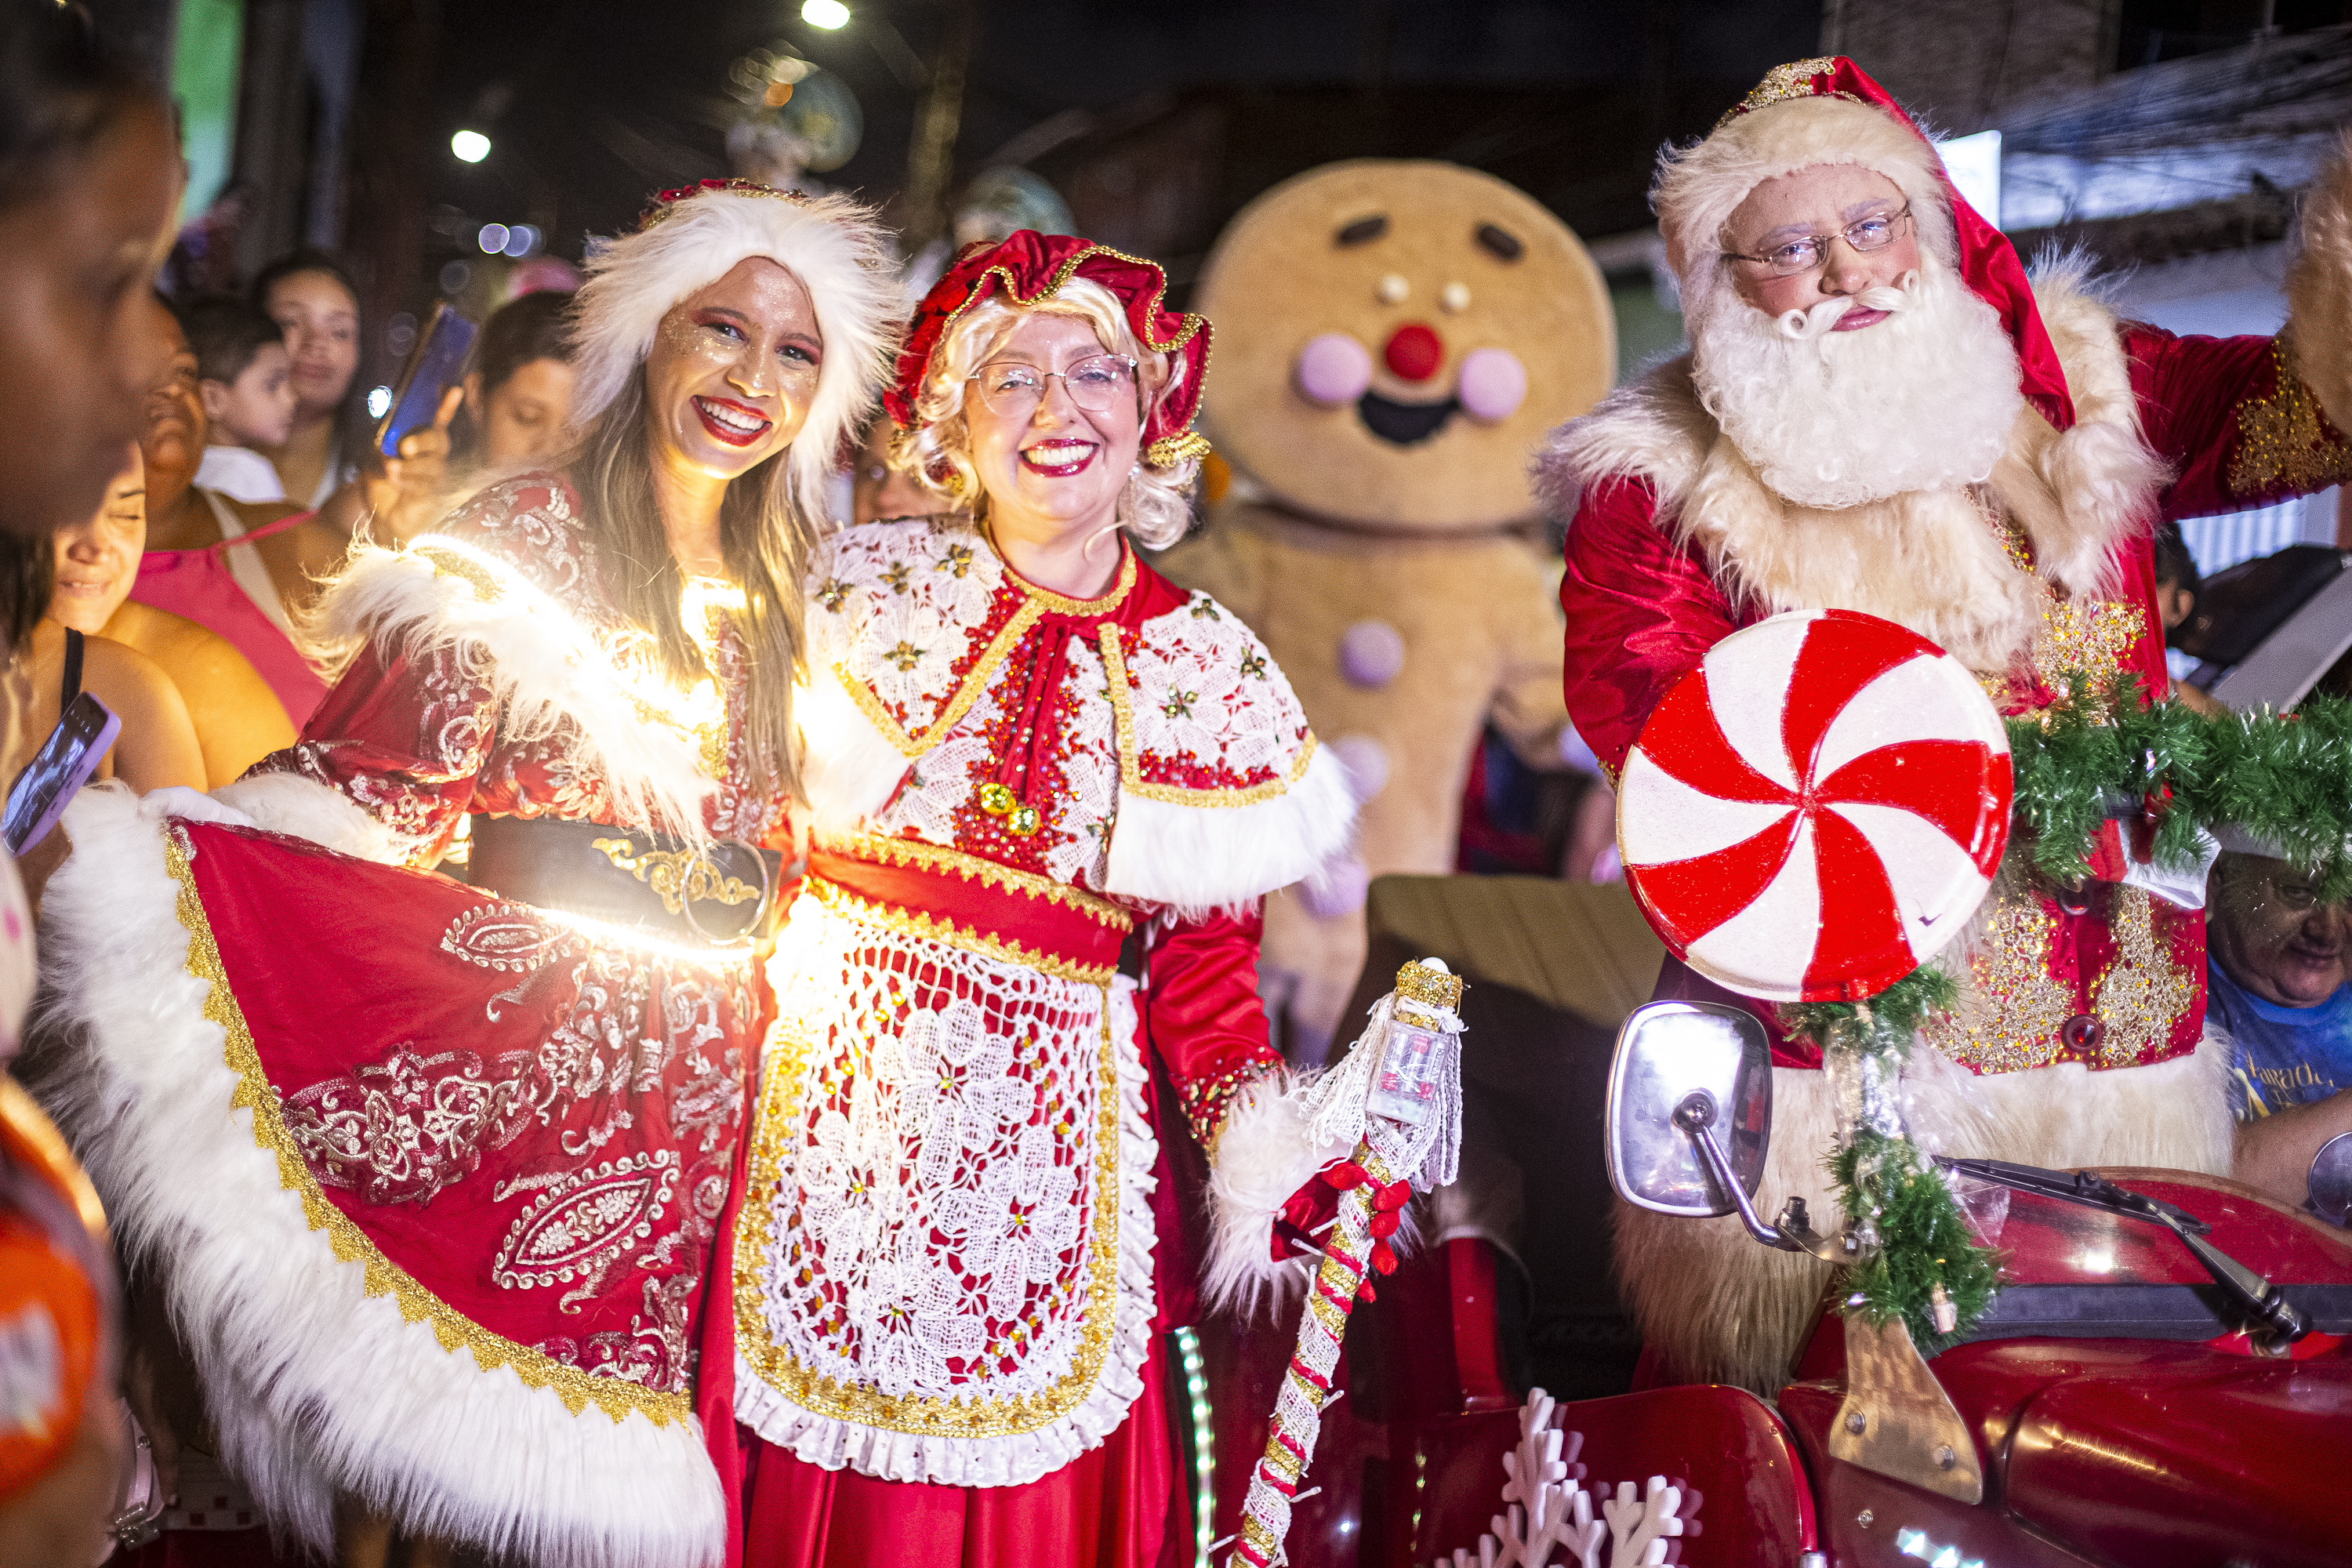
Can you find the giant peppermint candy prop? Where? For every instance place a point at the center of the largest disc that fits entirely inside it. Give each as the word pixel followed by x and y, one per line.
pixel 1817 809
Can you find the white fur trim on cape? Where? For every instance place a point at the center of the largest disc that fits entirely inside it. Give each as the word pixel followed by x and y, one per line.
pixel 545 669
pixel 2319 289
pixel 1017 1458
pixel 1926 560
pixel 831 244
pixel 305 808
pixel 1263 1154
pixel 1197 858
pixel 850 769
pixel 1722 1309
pixel 316 1387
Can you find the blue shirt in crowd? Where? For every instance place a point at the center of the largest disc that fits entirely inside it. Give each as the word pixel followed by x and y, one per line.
pixel 2282 1056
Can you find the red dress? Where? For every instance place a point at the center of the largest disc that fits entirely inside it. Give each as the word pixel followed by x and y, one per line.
pixel 953 1259
pixel 432 1175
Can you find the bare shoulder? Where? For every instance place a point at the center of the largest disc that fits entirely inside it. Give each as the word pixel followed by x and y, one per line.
pixel 192 655
pixel 125 679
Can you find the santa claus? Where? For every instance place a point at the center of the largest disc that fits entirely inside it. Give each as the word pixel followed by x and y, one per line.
pixel 1882 411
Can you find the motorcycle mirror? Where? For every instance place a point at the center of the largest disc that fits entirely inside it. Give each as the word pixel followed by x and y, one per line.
pixel 2331 1179
pixel 1712 1064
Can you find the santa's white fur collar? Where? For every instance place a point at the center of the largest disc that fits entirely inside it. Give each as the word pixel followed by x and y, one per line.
pixel 1931 561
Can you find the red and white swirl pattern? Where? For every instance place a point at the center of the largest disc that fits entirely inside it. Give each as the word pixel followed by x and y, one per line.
pixel 1817 809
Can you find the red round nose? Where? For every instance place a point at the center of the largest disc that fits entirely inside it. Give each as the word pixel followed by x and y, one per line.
pixel 1415 352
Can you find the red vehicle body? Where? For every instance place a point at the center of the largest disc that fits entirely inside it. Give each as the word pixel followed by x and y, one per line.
pixel 2119 1418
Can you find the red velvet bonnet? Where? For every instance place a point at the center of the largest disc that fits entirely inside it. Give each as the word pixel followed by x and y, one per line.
pixel 1030 266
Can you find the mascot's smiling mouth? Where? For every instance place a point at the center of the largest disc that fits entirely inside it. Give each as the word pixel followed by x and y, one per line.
pixel 1403 424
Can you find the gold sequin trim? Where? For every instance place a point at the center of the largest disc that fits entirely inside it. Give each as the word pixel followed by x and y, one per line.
pixel 972 1415
pixel 933 928
pixel 2143 991
pixel 1130 770
pixel 2281 443
pixel 2012 1020
pixel 1062 604
pixel 930 857
pixel 1782 83
pixel 447 562
pixel 254 1093
pixel 2092 636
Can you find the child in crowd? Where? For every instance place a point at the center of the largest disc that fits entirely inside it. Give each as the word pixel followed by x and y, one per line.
pixel 246 382
pixel 2177 586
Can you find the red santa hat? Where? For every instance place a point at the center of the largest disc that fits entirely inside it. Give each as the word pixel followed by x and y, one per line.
pixel 1827 110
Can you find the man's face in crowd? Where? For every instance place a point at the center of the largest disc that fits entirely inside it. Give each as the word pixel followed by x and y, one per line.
pixel 1826 199
pixel 2274 936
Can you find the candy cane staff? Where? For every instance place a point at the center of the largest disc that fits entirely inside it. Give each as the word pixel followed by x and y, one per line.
pixel 429 1173
pixel 1400 1093
pixel 1883 412
pixel 1048 791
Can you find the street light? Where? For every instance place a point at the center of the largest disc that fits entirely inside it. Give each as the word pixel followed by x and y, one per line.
pixel 825 14
pixel 472 146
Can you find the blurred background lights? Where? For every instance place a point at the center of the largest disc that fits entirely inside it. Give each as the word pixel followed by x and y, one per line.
pixel 493 238
pixel 828 14
pixel 522 240
pixel 472 146
pixel 378 400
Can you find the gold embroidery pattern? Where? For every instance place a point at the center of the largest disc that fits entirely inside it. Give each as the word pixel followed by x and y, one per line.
pixel 2143 991
pixel 2094 636
pixel 2011 1021
pixel 1782 83
pixel 681 877
pixel 963 1418
pixel 914 923
pixel 2281 443
pixel 975 681
pixel 577 1389
pixel 929 857
pixel 1130 771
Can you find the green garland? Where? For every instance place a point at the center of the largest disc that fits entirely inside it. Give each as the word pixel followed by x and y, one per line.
pixel 2283 778
pixel 2286 778
pixel 1913 1237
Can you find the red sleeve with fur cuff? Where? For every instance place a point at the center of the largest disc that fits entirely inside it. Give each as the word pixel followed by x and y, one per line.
pixel 1640 615
pixel 2234 418
pixel 1202 1016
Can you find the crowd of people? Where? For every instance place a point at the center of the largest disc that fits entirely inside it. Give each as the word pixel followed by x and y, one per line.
pixel 599 1013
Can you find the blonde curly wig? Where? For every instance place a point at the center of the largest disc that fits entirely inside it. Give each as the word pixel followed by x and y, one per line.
pixel 1155 506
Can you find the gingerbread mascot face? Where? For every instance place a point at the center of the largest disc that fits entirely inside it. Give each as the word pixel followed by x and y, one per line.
pixel 1393 338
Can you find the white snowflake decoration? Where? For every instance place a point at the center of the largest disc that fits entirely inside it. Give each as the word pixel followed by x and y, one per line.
pixel 1546 1506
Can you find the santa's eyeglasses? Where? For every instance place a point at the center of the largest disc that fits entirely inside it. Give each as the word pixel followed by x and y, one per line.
pixel 1873 233
pixel 1012 390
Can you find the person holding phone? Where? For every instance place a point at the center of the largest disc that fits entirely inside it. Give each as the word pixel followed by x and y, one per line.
pixel 444 1164
pixel 89 184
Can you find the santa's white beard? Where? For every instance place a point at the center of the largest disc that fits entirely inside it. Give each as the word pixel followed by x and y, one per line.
pixel 1923 400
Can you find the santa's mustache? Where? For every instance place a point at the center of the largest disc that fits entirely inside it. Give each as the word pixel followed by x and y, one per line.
pixel 1806 326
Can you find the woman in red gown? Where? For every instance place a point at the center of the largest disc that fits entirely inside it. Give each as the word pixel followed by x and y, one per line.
pixel 1048 789
pixel 429 1173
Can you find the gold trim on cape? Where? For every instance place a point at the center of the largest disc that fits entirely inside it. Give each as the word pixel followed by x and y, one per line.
pixel 1131 771
pixel 923 855
pixel 254 1093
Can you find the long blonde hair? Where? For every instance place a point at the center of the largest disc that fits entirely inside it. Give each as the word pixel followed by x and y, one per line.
pixel 1155 506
